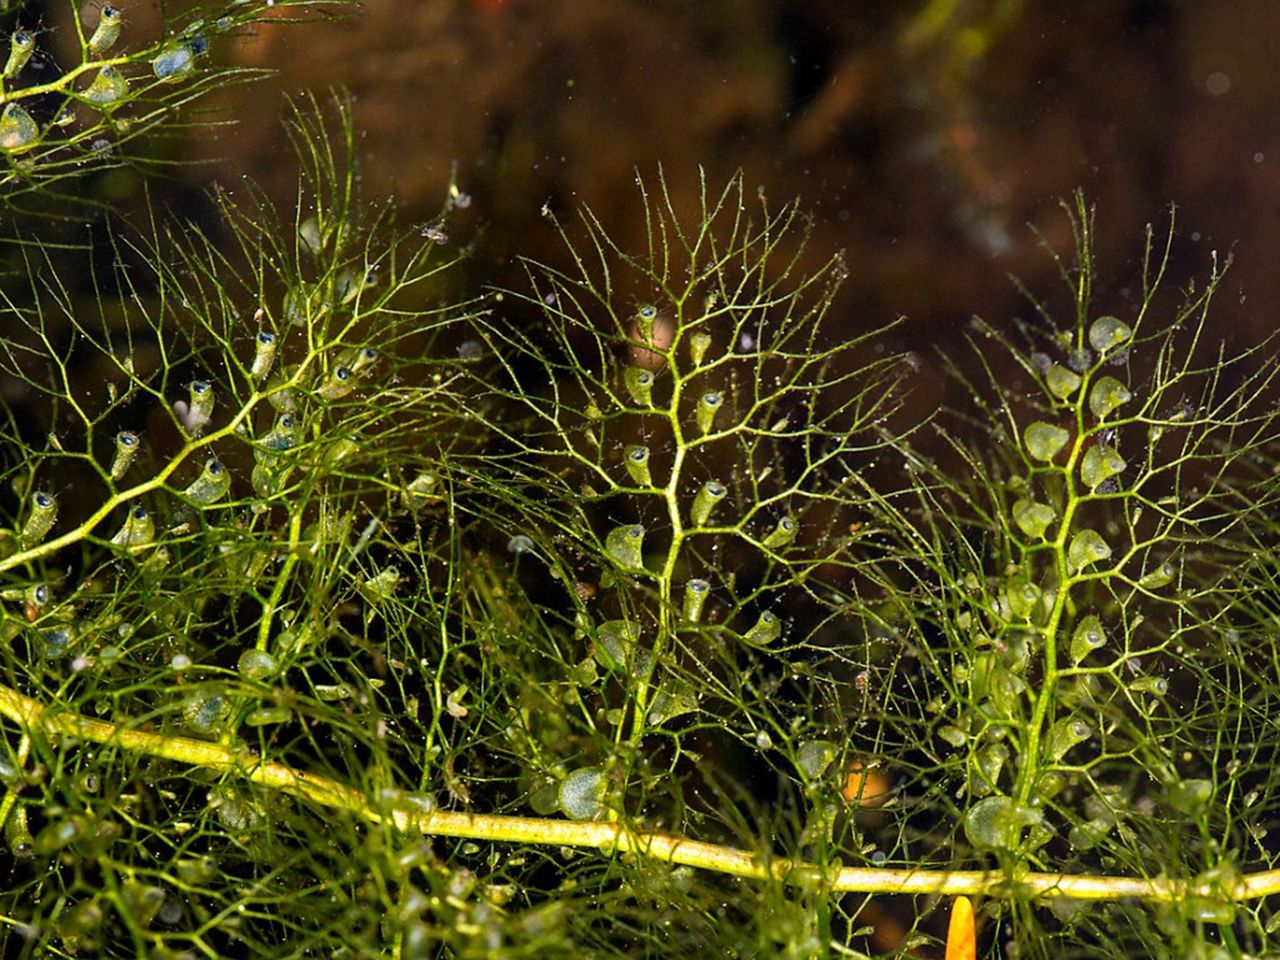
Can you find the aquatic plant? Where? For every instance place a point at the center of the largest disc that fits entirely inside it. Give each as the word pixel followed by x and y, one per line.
pixel 623 613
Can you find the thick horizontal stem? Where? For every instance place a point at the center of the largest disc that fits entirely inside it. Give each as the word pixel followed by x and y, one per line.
pixel 35 717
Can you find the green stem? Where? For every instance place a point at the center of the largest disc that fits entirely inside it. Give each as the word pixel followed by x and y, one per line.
pixel 610 837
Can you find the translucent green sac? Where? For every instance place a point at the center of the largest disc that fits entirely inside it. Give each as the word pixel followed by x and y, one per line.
pixel 360 359
pixel 17 129
pixel 696 592
pixel 1061 381
pixel 615 644
pixel 200 410
pixel 636 458
pixel 143 901
pixel 1022 596
pixel 264 355
pixel 1065 734
pixel 257 664
pixel 338 384
pixel 991 760
pixel 1099 464
pixel 783 532
pixel 699 343
pixel 21 46
pixel 1033 518
pixel 281 437
pixel 645 318
pixel 44 511
pixel 624 545
pixel 705 500
pixel 205 711
pixel 422 491
pixel 383 585
pixel 1107 333
pixel 764 631
pixel 996 823
pixel 582 793
pixel 212 484
pixel 1044 441
pixel 1158 686
pixel 1087 548
pixel 17 833
pixel 107 32
pixel 108 87
pixel 639 384
pixel 708 404
pixel 174 63
pixel 127 444
pixel 1107 395
pixel 139 529
pixel 1087 637
pixel 814 757
pixel 1161 576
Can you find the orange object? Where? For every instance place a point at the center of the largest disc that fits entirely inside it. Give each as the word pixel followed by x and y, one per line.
pixel 867 787
pixel 962 938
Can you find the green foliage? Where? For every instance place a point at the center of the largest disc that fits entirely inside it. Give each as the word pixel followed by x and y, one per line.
pixel 122 88
pixel 627 613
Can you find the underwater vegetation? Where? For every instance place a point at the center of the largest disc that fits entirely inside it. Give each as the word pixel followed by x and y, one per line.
pixel 621 612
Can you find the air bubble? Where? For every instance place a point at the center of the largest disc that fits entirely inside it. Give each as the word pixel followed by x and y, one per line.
pixel 705 500
pixel 1044 441
pixel 582 793
pixel 624 544
pixel 637 461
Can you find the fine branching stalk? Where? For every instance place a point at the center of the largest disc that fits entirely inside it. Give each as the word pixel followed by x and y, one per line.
pixel 628 612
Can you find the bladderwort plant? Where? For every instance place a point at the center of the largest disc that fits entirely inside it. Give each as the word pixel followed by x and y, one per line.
pixel 623 613
pixel 60 121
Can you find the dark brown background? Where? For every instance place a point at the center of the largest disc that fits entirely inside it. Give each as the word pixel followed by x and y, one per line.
pixel 924 136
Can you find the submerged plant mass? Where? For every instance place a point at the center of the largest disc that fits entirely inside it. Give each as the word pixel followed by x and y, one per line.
pixel 629 612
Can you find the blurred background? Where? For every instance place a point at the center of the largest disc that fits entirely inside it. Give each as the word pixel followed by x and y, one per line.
pixel 924 136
